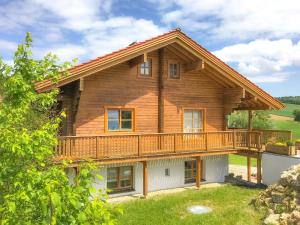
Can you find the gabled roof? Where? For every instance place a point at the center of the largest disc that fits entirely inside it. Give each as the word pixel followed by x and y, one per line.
pixel 174 36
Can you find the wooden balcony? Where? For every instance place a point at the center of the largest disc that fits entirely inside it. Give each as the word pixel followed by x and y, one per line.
pixel 137 146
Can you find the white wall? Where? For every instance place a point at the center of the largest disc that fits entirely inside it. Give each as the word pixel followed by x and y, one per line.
pixel 273 165
pixel 215 169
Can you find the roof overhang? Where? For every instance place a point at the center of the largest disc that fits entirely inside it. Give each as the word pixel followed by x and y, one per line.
pixel 175 36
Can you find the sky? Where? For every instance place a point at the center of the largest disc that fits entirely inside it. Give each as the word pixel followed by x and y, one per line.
pixel 259 38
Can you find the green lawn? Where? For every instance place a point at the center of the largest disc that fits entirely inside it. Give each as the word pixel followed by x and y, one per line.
pixel 287 111
pixel 230 206
pixel 240 160
pixel 294 126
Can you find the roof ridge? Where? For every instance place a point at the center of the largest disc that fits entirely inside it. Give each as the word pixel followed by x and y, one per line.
pixel 125 48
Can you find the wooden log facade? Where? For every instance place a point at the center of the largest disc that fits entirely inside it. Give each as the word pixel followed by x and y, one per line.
pixel 157 86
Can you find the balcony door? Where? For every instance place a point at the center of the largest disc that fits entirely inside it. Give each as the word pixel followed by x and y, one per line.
pixel 193 121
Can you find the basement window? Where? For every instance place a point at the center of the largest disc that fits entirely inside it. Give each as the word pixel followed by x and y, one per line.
pixel 120 179
pixel 190 171
pixel 167 172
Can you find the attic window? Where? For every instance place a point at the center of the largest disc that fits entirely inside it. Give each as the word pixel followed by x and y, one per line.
pixel 174 70
pixel 145 69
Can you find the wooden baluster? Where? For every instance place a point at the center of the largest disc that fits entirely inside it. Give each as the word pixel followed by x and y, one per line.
pixel 206 141
pixel 233 139
pixel 96 146
pixel 174 136
pixel 139 145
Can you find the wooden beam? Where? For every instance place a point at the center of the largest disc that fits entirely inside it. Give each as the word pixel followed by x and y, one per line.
pixel 81 84
pixel 138 60
pixel 219 82
pixel 198 171
pixel 258 169
pixel 249 168
pixel 145 178
pixel 194 66
pixel 161 89
pixel 250 120
pixel 183 52
pixel 219 76
pixel 177 53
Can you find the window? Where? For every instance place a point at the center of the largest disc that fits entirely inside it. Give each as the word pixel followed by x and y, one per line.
pixel 119 119
pixel 167 172
pixel 193 121
pixel 190 171
pixel 120 178
pixel 146 69
pixel 174 70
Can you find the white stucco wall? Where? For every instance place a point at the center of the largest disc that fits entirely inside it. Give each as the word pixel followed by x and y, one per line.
pixel 215 168
pixel 273 165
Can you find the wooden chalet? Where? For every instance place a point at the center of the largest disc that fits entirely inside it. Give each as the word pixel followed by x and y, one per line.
pixel 166 98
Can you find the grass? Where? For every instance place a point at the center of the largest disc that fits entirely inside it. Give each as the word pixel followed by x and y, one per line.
pixel 240 160
pixel 230 206
pixel 287 111
pixel 294 126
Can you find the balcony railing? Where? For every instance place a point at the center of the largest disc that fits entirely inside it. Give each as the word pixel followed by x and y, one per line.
pixel 138 145
pixel 275 135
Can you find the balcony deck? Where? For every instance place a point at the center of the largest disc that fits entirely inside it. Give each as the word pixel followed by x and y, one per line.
pixel 138 147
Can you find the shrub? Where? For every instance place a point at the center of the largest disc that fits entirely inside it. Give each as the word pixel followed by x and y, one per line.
pixel 296 113
pixel 33 189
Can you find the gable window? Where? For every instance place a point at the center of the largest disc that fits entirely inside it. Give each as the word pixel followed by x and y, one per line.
pixel 190 171
pixel 120 178
pixel 119 119
pixel 145 69
pixel 193 121
pixel 174 70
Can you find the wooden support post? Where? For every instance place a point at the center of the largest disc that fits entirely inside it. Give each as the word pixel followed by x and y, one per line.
pixel 250 127
pixel 161 92
pixel 258 176
pixel 198 171
pixel 249 168
pixel 145 178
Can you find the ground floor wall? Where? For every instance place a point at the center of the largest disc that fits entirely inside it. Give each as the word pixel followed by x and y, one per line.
pixel 273 165
pixel 215 168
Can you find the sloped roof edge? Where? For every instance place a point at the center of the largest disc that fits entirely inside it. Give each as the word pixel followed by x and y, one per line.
pixel 108 60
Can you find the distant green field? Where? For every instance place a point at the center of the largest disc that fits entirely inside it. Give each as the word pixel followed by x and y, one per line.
pixel 240 160
pixel 288 125
pixel 287 111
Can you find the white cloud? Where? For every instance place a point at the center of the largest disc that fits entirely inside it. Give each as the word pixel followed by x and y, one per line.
pixel 263 60
pixel 238 19
pixel 76 15
pixel 118 32
pixel 96 31
pixel 7 45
